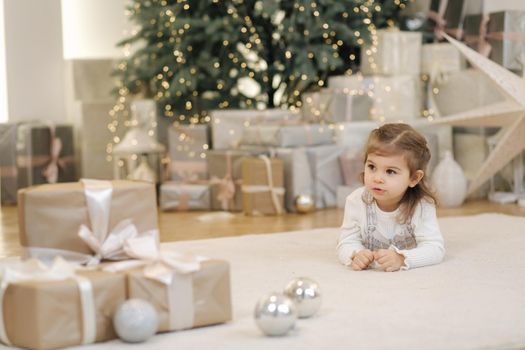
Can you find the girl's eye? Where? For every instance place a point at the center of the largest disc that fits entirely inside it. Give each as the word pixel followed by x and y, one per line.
pixel 391 172
pixel 371 167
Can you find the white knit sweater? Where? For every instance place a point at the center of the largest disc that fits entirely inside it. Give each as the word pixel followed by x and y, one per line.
pixel 430 247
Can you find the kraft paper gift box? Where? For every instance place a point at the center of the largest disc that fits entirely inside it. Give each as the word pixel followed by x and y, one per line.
pixel 188 145
pixel 448 15
pixel 45 154
pixel 224 167
pixel 475 27
pixel 8 169
pixel 50 216
pixel 394 98
pixel 182 197
pixel 326 174
pixel 187 291
pixel 262 186
pixel 288 136
pixel 49 313
pixel 506 35
pixel 227 126
pixel 334 106
pixel 476 90
pixel 297 175
pixel 440 58
pixel 396 53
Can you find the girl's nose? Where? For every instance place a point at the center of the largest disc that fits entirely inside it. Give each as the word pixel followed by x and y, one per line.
pixel 378 179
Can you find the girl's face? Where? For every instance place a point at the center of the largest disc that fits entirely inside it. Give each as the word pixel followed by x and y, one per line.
pixel 387 179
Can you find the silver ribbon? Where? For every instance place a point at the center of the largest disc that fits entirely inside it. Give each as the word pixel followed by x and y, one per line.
pixel 34 270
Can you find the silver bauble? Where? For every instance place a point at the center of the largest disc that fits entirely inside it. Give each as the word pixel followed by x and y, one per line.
pixel 275 314
pixel 304 203
pixel 136 320
pixel 306 295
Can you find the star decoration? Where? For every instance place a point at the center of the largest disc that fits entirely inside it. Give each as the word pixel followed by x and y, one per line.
pixel 510 115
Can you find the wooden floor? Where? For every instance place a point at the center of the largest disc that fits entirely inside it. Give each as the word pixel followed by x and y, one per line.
pixel 189 225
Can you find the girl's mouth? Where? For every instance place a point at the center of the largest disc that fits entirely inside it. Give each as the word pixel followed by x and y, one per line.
pixel 378 190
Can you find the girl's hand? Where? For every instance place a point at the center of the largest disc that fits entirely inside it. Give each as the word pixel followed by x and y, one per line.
pixel 362 259
pixel 389 260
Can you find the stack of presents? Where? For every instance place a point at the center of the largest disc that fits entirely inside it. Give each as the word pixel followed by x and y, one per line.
pixel 100 248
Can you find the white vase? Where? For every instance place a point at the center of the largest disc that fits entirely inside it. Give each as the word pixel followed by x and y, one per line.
pixel 449 182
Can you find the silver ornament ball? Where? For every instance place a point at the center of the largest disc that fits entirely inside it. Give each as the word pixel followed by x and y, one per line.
pixel 136 320
pixel 275 314
pixel 304 203
pixel 306 295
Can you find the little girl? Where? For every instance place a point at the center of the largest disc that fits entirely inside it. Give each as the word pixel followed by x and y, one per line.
pixel 391 221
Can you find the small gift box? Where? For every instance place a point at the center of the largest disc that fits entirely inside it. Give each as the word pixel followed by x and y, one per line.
pixel 334 106
pixel 262 186
pixel 288 136
pixel 326 174
pixel 56 307
pixel 45 154
pixel 226 178
pixel 8 169
pixel 352 166
pixel 395 98
pixel 227 126
pixel 448 16
pixel 188 145
pixel 396 53
pixel 187 291
pixel 297 175
pixel 440 58
pixel 506 35
pixel 182 197
pixel 85 221
pixel 353 136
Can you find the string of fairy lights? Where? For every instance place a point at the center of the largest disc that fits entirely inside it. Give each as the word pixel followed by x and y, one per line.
pixel 242 61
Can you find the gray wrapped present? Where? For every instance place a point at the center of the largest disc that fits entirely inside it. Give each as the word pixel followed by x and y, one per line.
pixel 188 145
pixel 45 154
pixel 440 58
pixel 182 197
pixel 287 136
pixel 334 106
pixel 326 173
pixel 227 126
pixel 506 35
pixel 8 169
pixel 396 53
pixel 353 136
pixel 298 180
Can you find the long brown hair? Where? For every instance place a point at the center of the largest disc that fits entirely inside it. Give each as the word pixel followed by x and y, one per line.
pixel 398 138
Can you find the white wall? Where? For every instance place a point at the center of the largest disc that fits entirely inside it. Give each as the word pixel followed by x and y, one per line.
pixel 3 76
pixel 35 67
pixel 93 27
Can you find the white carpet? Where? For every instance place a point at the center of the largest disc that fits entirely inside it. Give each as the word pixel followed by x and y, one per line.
pixel 475 299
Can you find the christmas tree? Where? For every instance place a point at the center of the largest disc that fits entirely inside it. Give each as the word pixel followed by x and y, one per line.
pixel 200 55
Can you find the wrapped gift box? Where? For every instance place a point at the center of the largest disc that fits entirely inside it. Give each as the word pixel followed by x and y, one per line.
pixel 224 167
pixel 475 27
pixel 227 126
pixel 287 136
pixel 476 89
pixel 260 196
pixel 8 169
pixel 297 175
pixel 326 174
pixel 342 193
pixel 188 145
pixel 40 147
pixel 48 314
pixel 449 15
pixel 177 196
pixel 198 299
pixel 353 136
pixel 352 166
pixel 506 35
pixel 334 106
pixel 49 216
pixel 395 98
pixel 440 58
pixel 396 53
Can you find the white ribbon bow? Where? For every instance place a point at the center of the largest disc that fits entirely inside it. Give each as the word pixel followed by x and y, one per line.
pixel 34 270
